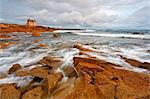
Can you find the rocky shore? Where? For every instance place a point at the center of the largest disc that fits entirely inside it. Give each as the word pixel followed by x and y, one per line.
pixel 89 77
pixel 9 28
pixel 36 31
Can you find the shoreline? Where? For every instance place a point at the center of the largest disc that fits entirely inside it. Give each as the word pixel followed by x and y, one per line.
pixel 9 28
pixel 53 66
pixel 87 77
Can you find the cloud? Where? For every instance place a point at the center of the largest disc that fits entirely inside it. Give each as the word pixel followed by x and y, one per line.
pixel 138 19
pixel 74 12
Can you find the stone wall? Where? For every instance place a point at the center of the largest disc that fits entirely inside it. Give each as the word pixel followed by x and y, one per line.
pixel 31 23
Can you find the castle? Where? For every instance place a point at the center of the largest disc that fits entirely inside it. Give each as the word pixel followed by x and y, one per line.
pixel 31 23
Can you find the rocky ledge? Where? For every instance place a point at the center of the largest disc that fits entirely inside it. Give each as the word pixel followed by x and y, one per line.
pixel 88 78
pixel 9 28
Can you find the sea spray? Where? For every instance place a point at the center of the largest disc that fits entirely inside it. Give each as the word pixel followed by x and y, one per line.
pixel 67 55
pixel 20 81
pixel 115 35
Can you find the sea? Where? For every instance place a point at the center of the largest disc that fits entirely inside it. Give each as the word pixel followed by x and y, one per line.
pixel 110 43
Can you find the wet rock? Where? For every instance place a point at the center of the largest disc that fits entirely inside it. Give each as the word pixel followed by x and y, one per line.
pixel 37 79
pixel 6 44
pixel 84 48
pixel 136 63
pixel 22 73
pixel 52 61
pixel 110 82
pixel 56 35
pixel 77 59
pixel 136 33
pixel 64 45
pixel 69 71
pixel 133 62
pixel 63 89
pixel 82 90
pixel 105 86
pixel 8 91
pixel 148 51
pixel 123 91
pixel 132 84
pixel 3 75
pixel 43 45
pixel 35 93
pixel 92 63
pixel 14 68
pixel 51 82
pixel 145 65
pixel 36 41
pixel 4 36
pixel 41 72
pixel 34 83
pixel 36 34
pixel 10 28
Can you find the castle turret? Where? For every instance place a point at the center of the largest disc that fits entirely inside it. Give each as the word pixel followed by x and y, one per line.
pixel 31 23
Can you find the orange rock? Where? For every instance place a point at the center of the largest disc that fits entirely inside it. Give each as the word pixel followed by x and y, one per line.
pixel 35 93
pixel 92 63
pixel 63 89
pixel 36 41
pixel 82 90
pixel 41 72
pixel 112 82
pixel 22 73
pixel 4 45
pixel 69 71
pixel 4 36
pixel 43 45
pixel 51 82
pixel 37 34
pixel 52 61
pixel 133 62
pixel 136 63
pixel 87 60
pixel 9 28
pixel 84 48
pixel 8 91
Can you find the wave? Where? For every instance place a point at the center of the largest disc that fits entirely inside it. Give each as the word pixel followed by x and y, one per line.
pixel 114 35
pixel 73 31
pixel 27 53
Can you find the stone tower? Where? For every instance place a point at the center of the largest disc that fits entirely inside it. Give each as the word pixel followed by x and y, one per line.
pixel 31 23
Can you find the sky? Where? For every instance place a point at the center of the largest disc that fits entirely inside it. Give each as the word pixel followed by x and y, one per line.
pixel 78 13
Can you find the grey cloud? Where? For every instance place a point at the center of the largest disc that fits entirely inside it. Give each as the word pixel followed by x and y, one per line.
pixel 73 12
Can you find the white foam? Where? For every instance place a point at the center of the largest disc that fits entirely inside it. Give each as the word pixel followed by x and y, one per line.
pixel 115 35
pixel 112 55
pixel 68 55
pixel 21 54
pixel 118 61
pixel 59 70
pixel 20 81
pixel 73 31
